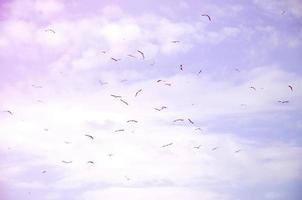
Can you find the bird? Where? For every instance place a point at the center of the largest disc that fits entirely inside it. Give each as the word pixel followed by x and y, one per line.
pixel 44 171
pixel 181 67
pixel 90 136
pixel 168 84
pixel 283 101
pixel 167 144
pixel 109 154
pixel 63 161
pixel 190 121
pixel 116 96
pixel 102 82
pixel 283 12
pixel 253 88
pixel 127 178
pixel 161 108
pixel 198 129
pixel 132 120
pixel 50 30
pixel 104 52
pixel 115 59
pixel 90 162
pixel 237 151
pixel 159 80
pixel 291 87
pixel 206 15
pixel 124 80
pixel 36 86
pixel 175 41
pixel 197 147
pixel 214 148
pixel 178 120
pixel 143 55
pixel 45 129
pixel 124 102
pixel 119 130
pixel 132 56
pixel 138 92
pixel 236 69
pixel 199 72
pixel 8 111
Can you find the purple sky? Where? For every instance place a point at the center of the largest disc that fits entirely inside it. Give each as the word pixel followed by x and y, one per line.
pixel 52 67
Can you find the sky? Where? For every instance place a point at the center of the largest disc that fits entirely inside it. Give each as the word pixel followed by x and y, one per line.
pixel 216 101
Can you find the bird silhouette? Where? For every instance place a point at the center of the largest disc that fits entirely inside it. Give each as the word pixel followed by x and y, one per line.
pixel 132 120
pixel 90 136
pixel 197 147
pixel 283 101
pixel 119 130
pixel 143 55
pixel 253 88
pixel 175 41
pixel 291 88
pixel 102 82
pixel 206 15
pixel 90 162
pixel 215 148
pixel 181 67
pixel 116 59
pixel 67 162
pixel 237 151
pixel 124 102
pixel 178 120
pixel 115 96
pixel 36 86
pixel 138 92
pixel 190 121
pixel 167 144
pixel 50 30
pixel 8 111
pixel 161 108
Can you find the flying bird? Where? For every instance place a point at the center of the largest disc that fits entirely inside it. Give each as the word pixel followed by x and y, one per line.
pixel 168 84
pixel 104 52
pixel 143 55
pixel 90 136
pixel 178 120
pixel 132 120
pixel 124 102
pixel 205 15
pixel 161 108
pixel 119 130
pixel 167 144
pixel 253 88
pixel 237 151
pixel 63 161
pixel 190 121
pixel 138 92
pixel 8 111
pixel 132 56
pixel 236 69
pixel 198 129
pixel 110 154
pixel 291 87
pixel 103 83
pixel 175 41
pixel 283 101
pixel 128 179
pixel 36 86
pixel 197 147
pixel 90 162
pixel 200 71
pixel 45 129
pixel 115 59
pixel 115 96
pixel 44 171
pixel 159 80
pixel 181 67
pixel 214 148
pixel 50 30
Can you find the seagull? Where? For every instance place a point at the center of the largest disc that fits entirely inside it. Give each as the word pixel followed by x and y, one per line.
pixel 253 88
pixel 116 59
pixel 89 136
pixel 132 120
pixel 237 151
pixel 199 129
pixel 104 52
pixel 199 72
pixel 143 55
pixel 63 161
pixel 90 162
pixel 119 130
pixel 291 87
pixel 190 121
pixel 44 171
pixel 115 96
pixel 168 84
pixel 50 30
pixel 214 148
pixel 178 120
pixel 8 111
pixel 205 15
pixel 36 86
pixel 159 81
pixel 132 56
pixel 124 102
pixel 167 144
pixel 161 108
pixel 175 41
pixel 181 67
pixel 138 92
pixel 103 83
pixel 197 147
pixel 283 101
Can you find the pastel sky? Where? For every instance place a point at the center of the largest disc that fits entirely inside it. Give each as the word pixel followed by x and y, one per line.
pixel 57 75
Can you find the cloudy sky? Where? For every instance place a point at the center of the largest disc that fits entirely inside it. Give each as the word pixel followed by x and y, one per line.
pixel 60 62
